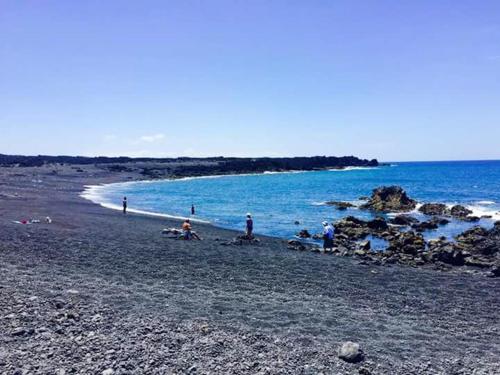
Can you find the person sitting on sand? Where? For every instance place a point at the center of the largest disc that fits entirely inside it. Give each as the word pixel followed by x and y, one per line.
pixel 124 205
pixel 187 232
pixel 327 236
pixel 249 229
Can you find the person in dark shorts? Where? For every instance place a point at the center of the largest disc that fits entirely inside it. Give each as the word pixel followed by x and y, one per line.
pixel 249 228
pixel 327 236
pixel 124 205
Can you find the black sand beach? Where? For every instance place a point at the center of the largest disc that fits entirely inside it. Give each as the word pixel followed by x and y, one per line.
pixel 97 291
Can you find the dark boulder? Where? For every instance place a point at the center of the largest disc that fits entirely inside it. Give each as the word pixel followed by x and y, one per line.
pixel 407 243
pixel 434 209
pixel 340 205
pixel 391 198
pixel 471 219
pixel 304 233
pixel 403 220
pixel 378 224
pixel 447 254
pixel 425 225
pixel 296 245
pixel 431 224
pixel 459 211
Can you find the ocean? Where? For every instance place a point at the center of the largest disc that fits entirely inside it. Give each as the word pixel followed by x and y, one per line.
pixel 278 200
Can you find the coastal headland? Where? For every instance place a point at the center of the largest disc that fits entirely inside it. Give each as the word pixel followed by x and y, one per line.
pixel 96 291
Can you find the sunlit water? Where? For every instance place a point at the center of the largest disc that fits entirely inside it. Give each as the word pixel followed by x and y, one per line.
pixel 278 200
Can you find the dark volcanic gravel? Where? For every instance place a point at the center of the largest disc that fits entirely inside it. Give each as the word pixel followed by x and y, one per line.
pixel 99 292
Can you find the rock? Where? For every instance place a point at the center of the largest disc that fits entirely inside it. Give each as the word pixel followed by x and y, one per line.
pixel 403 220
pixel 18 331
pixel 425 225
pixel 391 198
pixel 59 304
pixel 471 219
pixel 430 224
pixel 350 352
pixel 434 209
pixel 495 271
pixel 304 233
pixel 378 224
pixel 108 371
pixel 476 262
pixel 365 245
pixel 449 255
pixel 459 211
pixel 295 245
pixel 297 222
pixel 352 228
pixel 407 243
pixel 340 205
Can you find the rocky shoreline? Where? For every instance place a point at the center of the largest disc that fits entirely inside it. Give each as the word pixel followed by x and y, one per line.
pixel 476 250
pixel 157 168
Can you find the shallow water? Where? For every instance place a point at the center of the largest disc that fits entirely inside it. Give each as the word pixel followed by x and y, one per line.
pixel 278 200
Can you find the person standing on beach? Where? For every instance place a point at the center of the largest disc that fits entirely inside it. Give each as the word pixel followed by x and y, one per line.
pixel 249 229
pixel 124 205
pixel 327 236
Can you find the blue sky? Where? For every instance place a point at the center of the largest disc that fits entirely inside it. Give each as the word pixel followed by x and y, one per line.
pixel 393 80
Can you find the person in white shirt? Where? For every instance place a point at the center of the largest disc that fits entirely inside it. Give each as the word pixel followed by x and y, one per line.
pixel 327 236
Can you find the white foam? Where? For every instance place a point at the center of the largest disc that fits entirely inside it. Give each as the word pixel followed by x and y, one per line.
pixel 92 193
pixel 478 210
pixel 486 203
pixel 347 169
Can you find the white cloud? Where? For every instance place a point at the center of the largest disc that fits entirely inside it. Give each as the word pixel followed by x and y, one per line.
pixel 152 138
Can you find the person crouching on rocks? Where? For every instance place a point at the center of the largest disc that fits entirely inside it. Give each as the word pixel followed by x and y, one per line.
pixel 327 236
pixel 249 228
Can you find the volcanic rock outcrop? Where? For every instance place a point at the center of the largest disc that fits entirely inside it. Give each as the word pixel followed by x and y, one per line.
pixel 390 199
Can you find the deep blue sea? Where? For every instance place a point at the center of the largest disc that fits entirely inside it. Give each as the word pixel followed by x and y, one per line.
pixel 278 200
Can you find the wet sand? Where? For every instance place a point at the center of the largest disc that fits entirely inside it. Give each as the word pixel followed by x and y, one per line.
pixel 98 290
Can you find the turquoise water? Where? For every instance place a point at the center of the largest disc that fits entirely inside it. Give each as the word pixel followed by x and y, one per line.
pixel 277 200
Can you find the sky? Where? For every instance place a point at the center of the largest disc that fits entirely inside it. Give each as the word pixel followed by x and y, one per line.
pixel 392 80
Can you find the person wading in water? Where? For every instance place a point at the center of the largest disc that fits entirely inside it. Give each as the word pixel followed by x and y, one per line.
pixel 124 205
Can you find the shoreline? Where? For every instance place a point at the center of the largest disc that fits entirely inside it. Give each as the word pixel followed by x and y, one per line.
pixel 96 290
pixel 89 190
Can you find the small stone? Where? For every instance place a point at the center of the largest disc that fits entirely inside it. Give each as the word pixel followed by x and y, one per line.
pixel 350 352
pixel 108 371
pixel 18 332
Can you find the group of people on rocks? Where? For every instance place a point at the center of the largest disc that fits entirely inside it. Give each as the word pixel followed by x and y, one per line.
pixel 189 234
